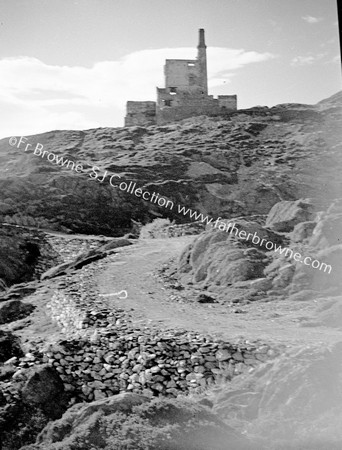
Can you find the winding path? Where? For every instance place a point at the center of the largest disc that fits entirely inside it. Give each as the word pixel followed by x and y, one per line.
pixel 154 305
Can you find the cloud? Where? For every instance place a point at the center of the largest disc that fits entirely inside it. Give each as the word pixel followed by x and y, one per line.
pixel 302 60
pixel 335 59
pixel 37 97
pixel 307 60
pixel 312 20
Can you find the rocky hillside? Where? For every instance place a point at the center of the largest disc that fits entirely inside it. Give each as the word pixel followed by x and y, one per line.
pixel 24 255
pixel 238 165
pixel 295 253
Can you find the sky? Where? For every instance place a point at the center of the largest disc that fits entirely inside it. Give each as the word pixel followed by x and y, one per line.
pixel 73 64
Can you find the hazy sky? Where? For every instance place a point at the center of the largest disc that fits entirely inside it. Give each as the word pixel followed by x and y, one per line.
pixel 73 64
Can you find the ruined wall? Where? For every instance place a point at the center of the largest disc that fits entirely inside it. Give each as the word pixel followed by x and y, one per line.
pixel 183 84
pixel 177 106
pixel 177 97
pixel 194 106
pixel 164 364
pixel 172 114
pixel 228 101
pixel 181 73
pixel 185 93
pixel 140 113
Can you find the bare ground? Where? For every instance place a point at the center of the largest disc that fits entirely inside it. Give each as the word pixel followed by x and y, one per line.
pixel 149 302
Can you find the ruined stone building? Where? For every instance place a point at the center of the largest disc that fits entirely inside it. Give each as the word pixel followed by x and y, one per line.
pixel 185 93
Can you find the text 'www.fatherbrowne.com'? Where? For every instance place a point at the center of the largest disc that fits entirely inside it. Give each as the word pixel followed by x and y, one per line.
pixel 255 239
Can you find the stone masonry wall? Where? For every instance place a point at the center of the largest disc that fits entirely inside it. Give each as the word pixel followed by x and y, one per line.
pixel 65 312
pixel 209 107
pixel 140 113
pixel 228 101
pixel 156 365
pixel 104 354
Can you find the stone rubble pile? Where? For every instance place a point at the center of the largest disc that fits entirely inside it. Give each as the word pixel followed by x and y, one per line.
pixel 107 363
pixel 181 230
pixel 74 247
pixel 150 365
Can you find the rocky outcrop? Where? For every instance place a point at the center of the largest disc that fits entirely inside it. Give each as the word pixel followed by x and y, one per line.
pixel 24 254
pixel 81 416
pixel 19 291
pixel 324 246
pixel 294 402
pixel 246 261
pixel 285 215
pixel 156 425
pixel 219 259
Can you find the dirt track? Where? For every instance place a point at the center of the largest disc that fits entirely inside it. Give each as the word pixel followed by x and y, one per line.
pixel 149 301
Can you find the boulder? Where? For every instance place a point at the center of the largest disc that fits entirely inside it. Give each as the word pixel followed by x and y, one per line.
pixel 285 215
pixel 14 310
pixel 205 298
pixel 9 346
pixel 45 389
pixel 220 258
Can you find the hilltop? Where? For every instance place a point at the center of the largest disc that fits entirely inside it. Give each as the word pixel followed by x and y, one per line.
pixel 232 166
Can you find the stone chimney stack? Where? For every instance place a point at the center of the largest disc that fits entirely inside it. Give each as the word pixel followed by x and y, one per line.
pixel 202 62
pixel 201 40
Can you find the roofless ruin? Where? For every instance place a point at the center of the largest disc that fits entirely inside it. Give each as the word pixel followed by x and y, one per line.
pixel 185 93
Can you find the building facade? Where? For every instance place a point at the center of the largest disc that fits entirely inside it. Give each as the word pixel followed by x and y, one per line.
pixel 185 93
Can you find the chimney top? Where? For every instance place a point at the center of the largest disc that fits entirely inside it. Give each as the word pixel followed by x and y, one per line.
pixel 201 42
